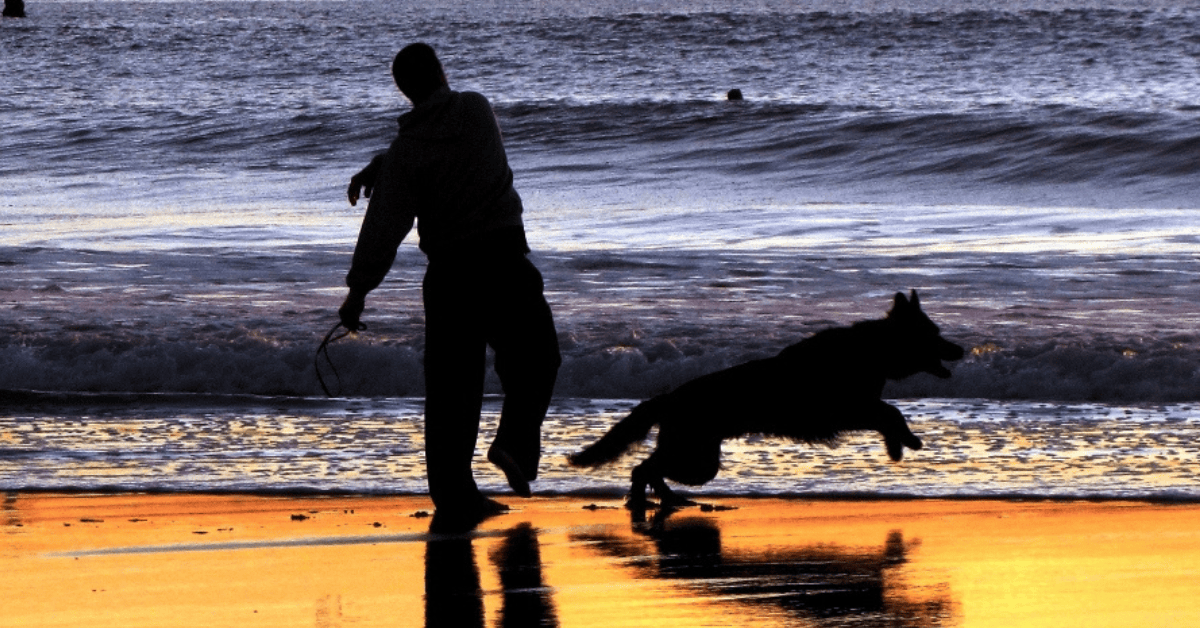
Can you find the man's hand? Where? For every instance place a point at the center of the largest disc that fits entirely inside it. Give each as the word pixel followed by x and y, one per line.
pixel 351 311
pixel 364 180
pixel 358 183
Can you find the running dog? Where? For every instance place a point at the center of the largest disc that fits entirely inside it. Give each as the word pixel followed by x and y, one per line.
pixel 813 391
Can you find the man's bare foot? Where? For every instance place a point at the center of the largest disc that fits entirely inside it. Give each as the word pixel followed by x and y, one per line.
pixel 455 520
pixel 512 472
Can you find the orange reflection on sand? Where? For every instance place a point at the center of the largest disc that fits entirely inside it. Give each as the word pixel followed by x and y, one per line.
pixel 191 560
pixel 1062 564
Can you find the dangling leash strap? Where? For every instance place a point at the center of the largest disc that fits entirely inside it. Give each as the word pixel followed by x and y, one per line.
pixel 324 350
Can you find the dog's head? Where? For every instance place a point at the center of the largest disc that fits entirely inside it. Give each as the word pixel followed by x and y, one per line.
pixel 915 344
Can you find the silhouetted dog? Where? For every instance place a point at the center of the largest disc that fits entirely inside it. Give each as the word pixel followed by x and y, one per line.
pixel 813 391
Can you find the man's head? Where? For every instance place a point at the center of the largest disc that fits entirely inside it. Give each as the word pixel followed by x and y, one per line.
pixel 417 71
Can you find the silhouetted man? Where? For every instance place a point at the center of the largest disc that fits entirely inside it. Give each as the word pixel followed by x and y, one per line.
pixel 448 171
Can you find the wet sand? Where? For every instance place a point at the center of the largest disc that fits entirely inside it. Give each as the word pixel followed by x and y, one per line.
pixel 132 560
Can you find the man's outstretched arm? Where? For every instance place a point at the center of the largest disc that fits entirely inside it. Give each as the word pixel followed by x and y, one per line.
pixel 388 219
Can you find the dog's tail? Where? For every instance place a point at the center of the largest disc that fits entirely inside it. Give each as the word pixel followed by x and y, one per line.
pixel 629 430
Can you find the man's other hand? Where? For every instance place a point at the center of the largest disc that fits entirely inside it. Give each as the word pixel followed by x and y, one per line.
pixel 351 311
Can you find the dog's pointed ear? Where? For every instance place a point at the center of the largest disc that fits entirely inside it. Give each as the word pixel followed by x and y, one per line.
pixel 899 304
pixel 914 300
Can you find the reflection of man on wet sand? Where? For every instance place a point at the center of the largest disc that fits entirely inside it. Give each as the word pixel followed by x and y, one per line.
pixel 447 171
pixel 454 597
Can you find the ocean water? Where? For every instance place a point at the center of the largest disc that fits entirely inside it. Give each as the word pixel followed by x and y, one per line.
pixel 175 233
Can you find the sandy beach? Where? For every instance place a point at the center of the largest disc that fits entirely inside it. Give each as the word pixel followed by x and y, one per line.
pixel 134 560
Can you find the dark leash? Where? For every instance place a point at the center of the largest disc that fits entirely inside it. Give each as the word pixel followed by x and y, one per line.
pixel 324 350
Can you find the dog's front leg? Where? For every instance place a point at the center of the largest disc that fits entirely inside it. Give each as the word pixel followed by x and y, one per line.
pixel 894 428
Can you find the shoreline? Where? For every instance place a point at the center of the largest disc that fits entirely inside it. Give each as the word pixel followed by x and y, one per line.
pixel 186 559
pixel 616 495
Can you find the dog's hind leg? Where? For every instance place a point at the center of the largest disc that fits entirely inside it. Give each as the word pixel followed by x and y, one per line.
pixel 687 459
pixel 667 497
pixel 649 473
pixel 641 477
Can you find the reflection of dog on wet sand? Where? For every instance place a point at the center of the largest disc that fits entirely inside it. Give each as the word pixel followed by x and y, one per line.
pixel 813 391
pixel 822 584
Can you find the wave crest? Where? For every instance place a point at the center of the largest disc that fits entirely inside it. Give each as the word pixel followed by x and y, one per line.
pixel 618 369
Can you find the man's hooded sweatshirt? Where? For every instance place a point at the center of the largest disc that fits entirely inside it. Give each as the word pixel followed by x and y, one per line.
pixel 447 170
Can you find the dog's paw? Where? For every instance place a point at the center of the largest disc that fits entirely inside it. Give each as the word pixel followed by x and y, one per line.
pixel 895 445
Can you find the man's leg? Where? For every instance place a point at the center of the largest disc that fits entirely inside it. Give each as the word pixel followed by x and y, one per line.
pixel 455 354
pixel 522 334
